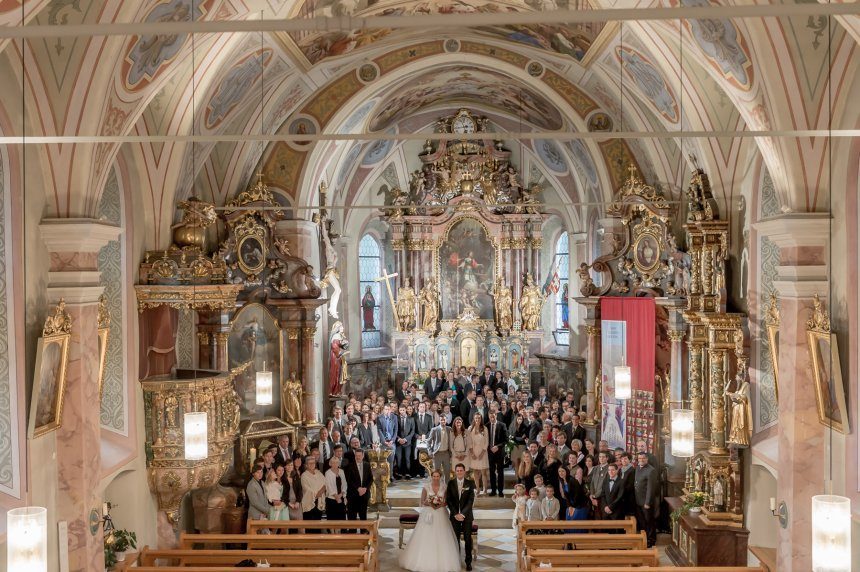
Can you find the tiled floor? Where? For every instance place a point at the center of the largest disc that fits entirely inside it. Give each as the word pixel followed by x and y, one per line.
pixel 496 546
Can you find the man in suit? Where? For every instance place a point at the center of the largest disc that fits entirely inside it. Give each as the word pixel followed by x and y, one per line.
pixel 460 498
pixel 358 480
pixel 487 377
pixel 646 498
pixel 613 495
pixel 561 446
pixel 403 449
pixel 641 447
pixel 541 398
pixel 439 447
pixel 466 407
pixel 423 421
pixel 536 453
pixel 598 477
pixel 577 431
pixel 628 479
pixel 258 503
pixel 496 440
pixel 284 456
pixel 325 447
pixel 432 385
pixel 473 385
pixel 387 427
pixel 535 426
pixel 338 419
pixel 481 408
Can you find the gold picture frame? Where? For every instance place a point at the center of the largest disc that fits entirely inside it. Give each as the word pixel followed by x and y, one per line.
pixel 49 384
pixel 772 322
pixel 824 353
pixel 104 335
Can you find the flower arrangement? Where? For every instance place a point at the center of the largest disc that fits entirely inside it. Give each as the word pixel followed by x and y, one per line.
pixel 694 499
pixel 436 501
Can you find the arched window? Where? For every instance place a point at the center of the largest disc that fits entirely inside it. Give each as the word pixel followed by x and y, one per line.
pixel 369 268
pixel 562 308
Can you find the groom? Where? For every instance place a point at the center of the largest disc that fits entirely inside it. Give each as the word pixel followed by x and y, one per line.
pixel 460 498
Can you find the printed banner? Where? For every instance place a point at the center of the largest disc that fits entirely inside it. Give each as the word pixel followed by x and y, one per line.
pixel 613 340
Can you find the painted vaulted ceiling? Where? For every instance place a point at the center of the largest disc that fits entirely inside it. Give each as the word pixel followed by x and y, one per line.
pixel 719 74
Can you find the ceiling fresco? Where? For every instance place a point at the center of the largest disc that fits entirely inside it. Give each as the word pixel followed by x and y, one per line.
pixel 570 40
pixel 468 85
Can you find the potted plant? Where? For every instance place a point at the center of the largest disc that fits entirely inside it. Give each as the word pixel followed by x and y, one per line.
pixel 123 540
pixel 692 503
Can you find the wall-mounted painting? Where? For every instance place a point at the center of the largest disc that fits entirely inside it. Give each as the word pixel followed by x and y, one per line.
pixel 467 264
pixel 256 337
pixel 772 322
pixel 829 390
pixel 49 384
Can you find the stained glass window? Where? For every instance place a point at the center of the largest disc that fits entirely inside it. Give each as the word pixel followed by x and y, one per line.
pixel 562 308
pixel 369 268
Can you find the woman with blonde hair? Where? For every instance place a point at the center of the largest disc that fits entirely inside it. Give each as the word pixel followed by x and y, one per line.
pixel 526 471
pixel 479 461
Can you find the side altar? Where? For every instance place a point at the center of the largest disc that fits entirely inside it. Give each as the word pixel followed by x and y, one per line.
pixel 467 242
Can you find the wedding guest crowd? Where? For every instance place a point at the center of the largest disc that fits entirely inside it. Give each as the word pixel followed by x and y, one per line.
pixel 486 421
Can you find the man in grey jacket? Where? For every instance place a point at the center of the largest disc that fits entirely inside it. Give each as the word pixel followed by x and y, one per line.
pixel 258 504
pixel 646 498
pixel 598 476
pixel 439 447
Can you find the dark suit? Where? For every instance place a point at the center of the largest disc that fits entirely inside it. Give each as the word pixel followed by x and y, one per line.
pixel 485 414
pixel 462 504
pixel 356 505
pixel 424 424
pixel 281 459
pixel 646 493
pixel 429 390
pixel 535 428
pixel 365 436
pixel 614 498
pixel 629 480
pixel 387 428
pixel 497 436
pixel 465 408
pixel 403 451
pixel 325 455
pixel 576 433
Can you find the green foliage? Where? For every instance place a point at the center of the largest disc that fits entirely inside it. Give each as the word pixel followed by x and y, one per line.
pixel 692 500
pixel 123 540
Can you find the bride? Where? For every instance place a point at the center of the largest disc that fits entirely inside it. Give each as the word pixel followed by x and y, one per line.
pixel 433 546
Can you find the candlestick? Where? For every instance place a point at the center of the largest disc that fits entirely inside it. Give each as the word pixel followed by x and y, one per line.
pixel 253 456
pixel 772 504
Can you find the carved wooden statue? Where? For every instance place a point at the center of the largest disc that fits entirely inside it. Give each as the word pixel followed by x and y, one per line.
pixel 430 306
pixel 292 399
pixel 406 302
pixel 531 303
pixel 504 307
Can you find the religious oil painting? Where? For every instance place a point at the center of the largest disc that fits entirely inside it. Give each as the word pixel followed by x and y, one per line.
pixel 467 270
pixel 647 252
pixel 468 353
pixel 443 355
pixel 252 255
pixel 829 390
pixel 49 385
pixel 256 338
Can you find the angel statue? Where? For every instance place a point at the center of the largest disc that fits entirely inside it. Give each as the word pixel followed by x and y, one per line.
pixel 338 349
pixel 406 302
pixel 740 430
pixel 329 240
pixel 531 303
pixel 430 304
pixel 504 306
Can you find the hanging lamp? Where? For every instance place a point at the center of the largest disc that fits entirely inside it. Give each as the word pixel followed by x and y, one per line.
pixel 683 441
pixel 264 386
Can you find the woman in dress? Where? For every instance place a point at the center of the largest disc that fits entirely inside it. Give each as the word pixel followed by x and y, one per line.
pixel 526 471
pixel 519 432
pixel 506 414
pixel 479 461
pixel 563 491
pixel 303 448
pixel 459 444
pixel 579 502
pixel 433 547
pixel 549 468
pixel 275 494
pixel 520 498
pixel 313 492
pixel 292 497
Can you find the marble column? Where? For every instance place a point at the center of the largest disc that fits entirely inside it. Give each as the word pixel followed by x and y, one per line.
pixel 592 369
pixel 802 240
pixel 578 254
pixel 73 245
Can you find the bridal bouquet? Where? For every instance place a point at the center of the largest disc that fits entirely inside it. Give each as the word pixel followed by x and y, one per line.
pixel 436 501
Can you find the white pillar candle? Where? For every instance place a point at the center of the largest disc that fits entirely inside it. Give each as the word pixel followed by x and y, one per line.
pixel 772 504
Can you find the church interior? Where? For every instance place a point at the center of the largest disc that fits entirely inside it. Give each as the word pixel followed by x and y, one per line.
pixel 242 237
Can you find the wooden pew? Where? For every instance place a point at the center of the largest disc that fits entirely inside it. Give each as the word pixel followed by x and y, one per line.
pixel 637 541
pixel 354 559
pixel 627 526
pixel 593 558
pixel 659 569
pixel 276 541
pixel 234 569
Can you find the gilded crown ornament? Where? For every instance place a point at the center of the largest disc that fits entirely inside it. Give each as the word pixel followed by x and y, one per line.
pixel 819 321
pixel 772 316
pixel 58 323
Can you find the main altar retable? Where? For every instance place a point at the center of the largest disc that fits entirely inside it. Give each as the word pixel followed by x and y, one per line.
pixel 466 239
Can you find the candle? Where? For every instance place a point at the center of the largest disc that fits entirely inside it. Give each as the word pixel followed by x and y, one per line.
pixel 772 504
pixel 253 455
pixel 105 509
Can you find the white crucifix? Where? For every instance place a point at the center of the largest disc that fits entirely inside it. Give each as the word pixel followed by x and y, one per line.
pixel 385 276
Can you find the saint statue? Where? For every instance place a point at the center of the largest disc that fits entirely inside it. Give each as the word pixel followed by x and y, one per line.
pixel 406 307
pixel 531 303
pixel 430 304
pixel 292 399
pixel 741 419
pixel 598 397
pixel 339 348
pixel 719 494
pixel 504 306
pixel 565 308
pixel 331 277
pixel 368 305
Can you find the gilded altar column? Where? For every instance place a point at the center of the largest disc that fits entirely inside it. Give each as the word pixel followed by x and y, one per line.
pixel 73 245
pixel 696 354
pixel 718 376
pixel 592 368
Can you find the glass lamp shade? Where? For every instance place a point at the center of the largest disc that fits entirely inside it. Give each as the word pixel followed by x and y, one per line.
pixel 27 539
pixel 682 433
pixel 623 386
pixel 831 534
pixel 196 436
pixel 264 388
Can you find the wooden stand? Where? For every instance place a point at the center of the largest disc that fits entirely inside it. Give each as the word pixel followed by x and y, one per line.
pixel 695 543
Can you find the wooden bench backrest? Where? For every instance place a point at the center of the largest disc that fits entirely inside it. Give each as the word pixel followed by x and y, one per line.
pixel 231 557
pixel 278 541
pixel 596 541
pixel 647 557
pixel 657 569
pixel 255 526
pixel 309 568
pixel 628 525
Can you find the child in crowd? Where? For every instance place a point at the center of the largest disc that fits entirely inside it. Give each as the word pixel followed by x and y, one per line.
pixel 539 486
pixel 533 508
pixel 550 506
pixel 520 499
pixel 274 492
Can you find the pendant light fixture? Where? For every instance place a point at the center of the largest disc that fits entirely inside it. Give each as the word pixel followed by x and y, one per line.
pixel 831 514
pixel 27 539
pixel 196 436
pixel 264 386
pixel 682 433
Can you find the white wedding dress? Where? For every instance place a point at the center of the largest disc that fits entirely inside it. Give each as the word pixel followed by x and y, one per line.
pixel 433 544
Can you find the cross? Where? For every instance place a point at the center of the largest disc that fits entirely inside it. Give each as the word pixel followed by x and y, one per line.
pixel 385 276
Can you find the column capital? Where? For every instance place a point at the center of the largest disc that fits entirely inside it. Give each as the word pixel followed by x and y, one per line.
pixel 77 234
pixel 796 229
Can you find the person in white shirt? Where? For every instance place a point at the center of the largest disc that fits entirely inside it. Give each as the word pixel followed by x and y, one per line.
pixel 549 506
pixel 313 491
pixel 335 484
